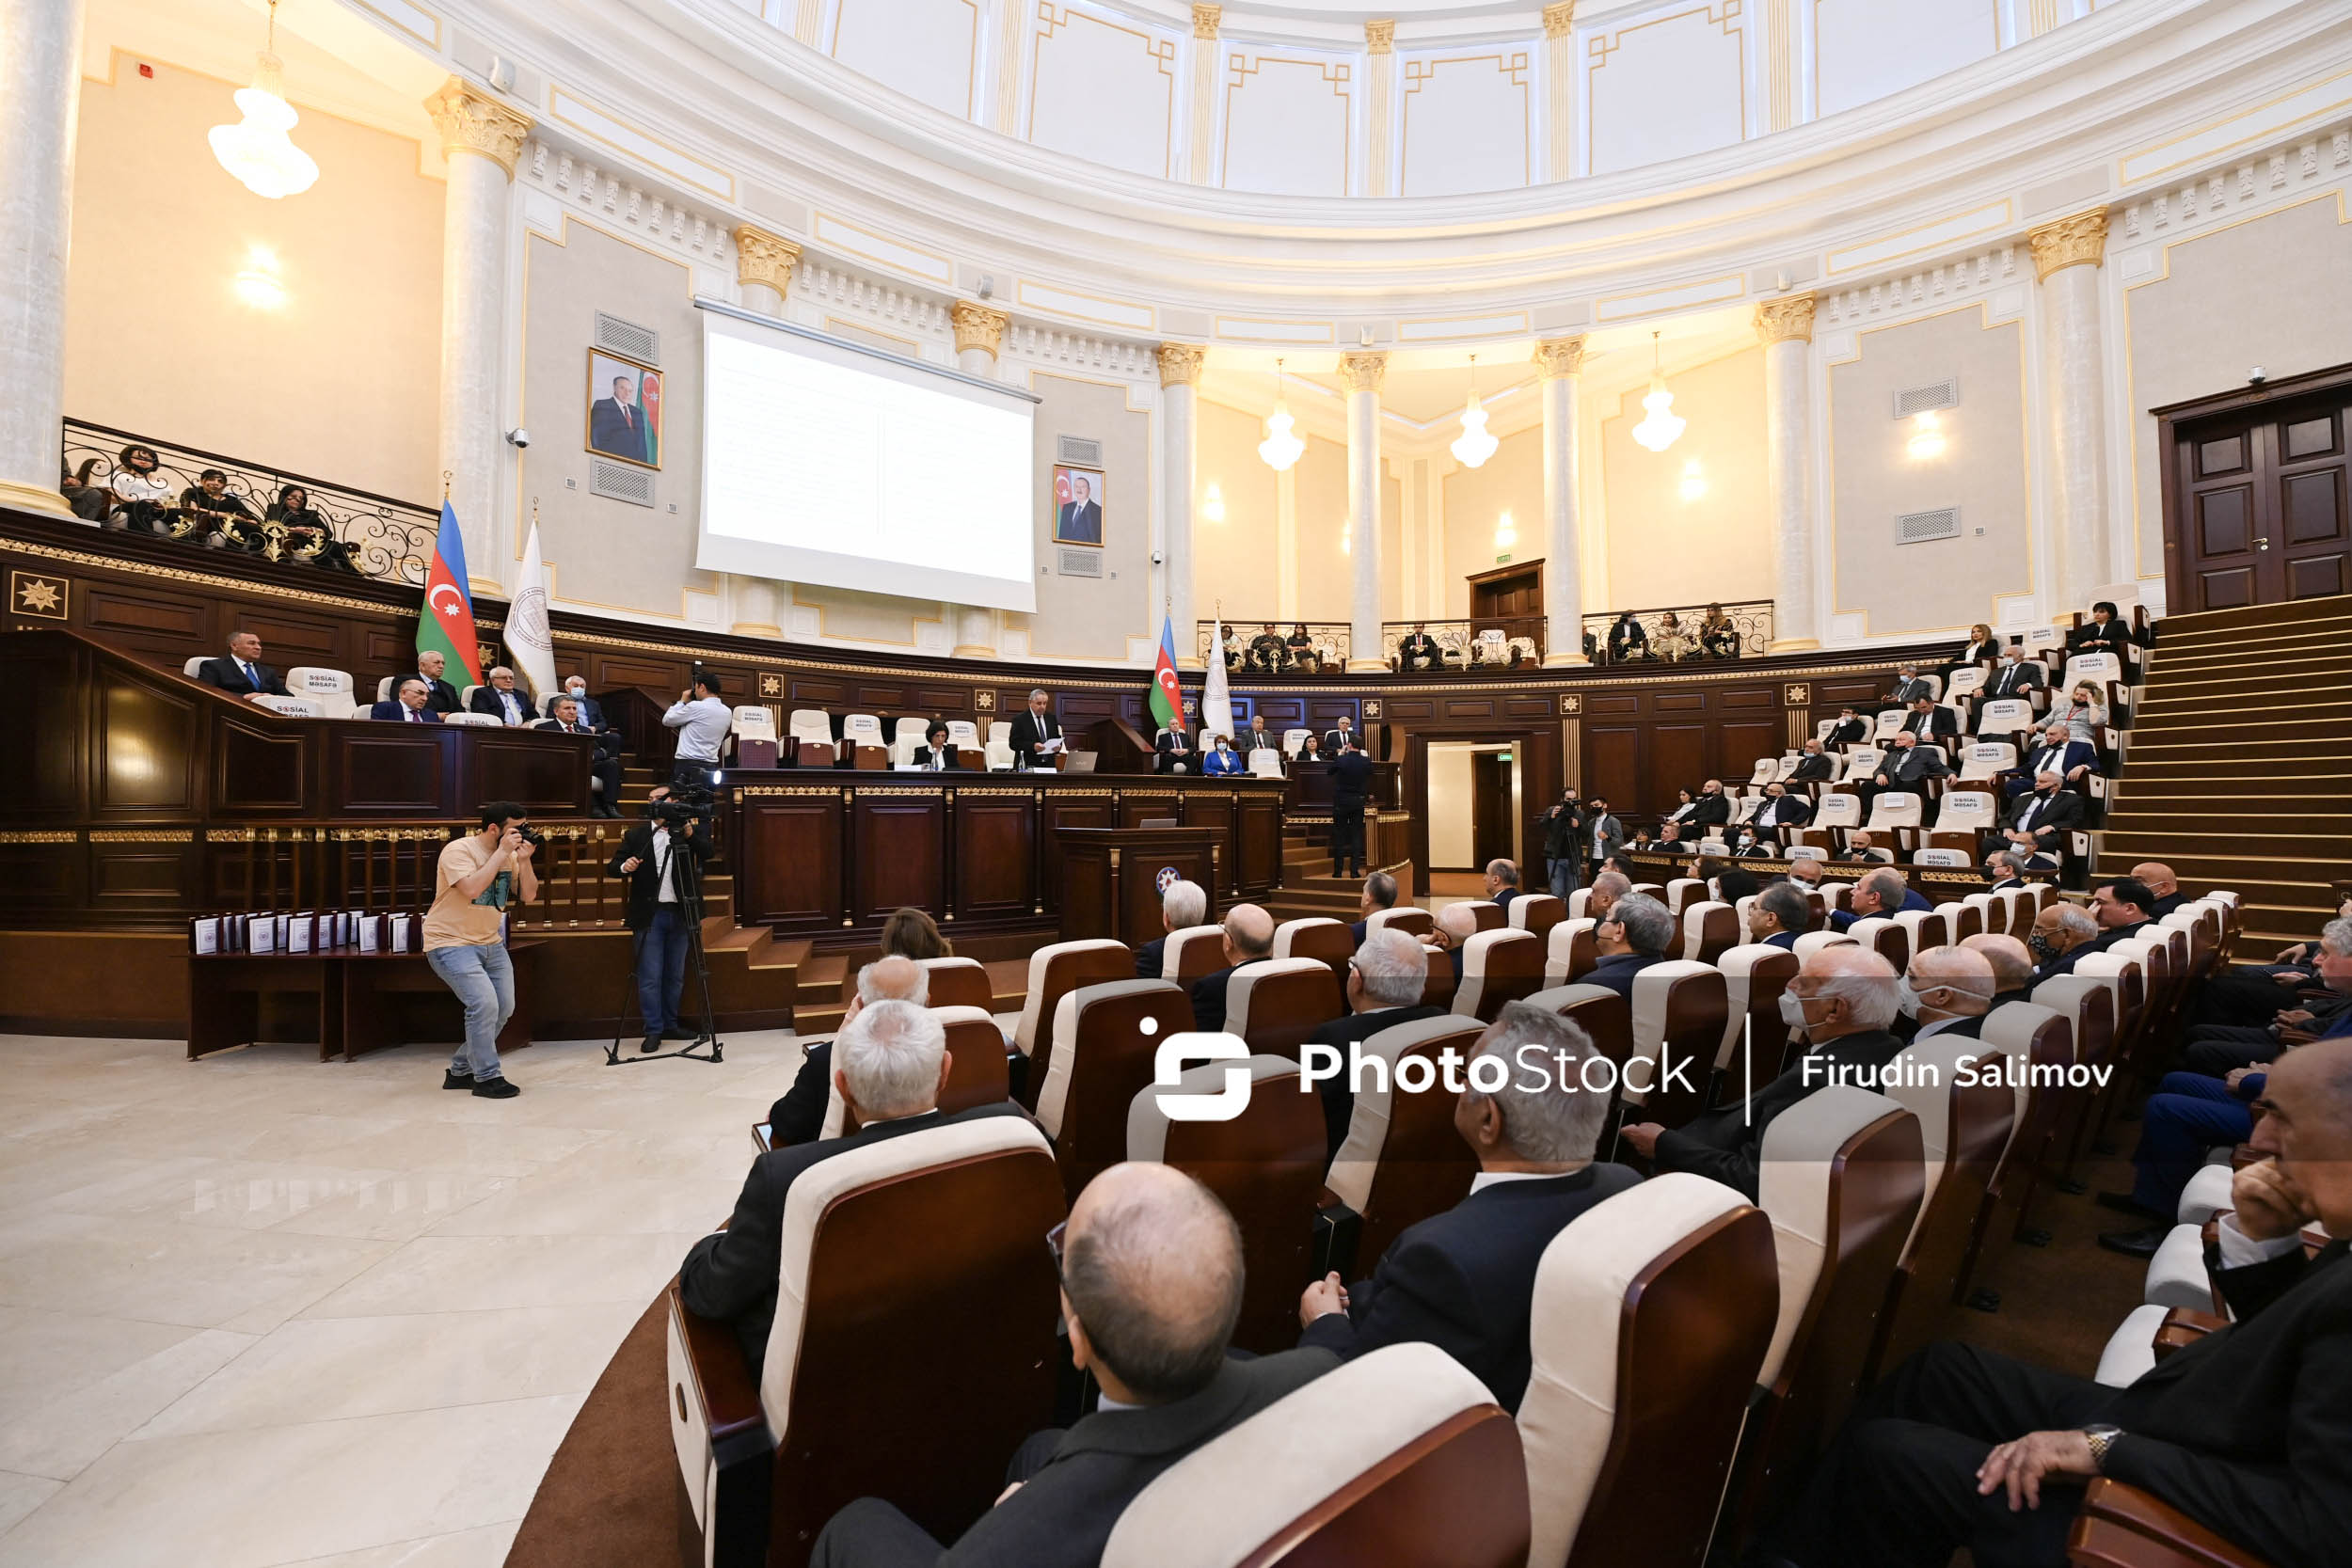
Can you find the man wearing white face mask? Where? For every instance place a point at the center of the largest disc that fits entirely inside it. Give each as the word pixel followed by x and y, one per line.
pixel 1947 992
pixel 1844 999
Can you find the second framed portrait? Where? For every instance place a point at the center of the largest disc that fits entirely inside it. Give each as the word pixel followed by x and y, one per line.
pixel 624 409
pixel 1077 505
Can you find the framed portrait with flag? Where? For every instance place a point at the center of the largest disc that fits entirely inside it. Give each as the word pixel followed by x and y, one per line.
pixel 1077 505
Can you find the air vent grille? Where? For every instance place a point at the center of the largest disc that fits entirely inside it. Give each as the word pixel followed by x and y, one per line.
pixel 1085 454
pixel 1078 564
pixel 620 481
pixel 1923 400
pixel 1918 527
pixel 628 340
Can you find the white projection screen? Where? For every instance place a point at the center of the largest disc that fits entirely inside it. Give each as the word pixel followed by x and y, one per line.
pixel 826 463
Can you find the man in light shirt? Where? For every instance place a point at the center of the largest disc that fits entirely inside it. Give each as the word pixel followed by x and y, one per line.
pixel 702 722
pixel 479 878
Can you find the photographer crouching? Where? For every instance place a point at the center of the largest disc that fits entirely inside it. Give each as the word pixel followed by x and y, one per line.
pixel 664 902
pixel 478 877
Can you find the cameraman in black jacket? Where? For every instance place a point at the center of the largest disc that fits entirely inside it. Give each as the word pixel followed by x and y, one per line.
pixel 658 908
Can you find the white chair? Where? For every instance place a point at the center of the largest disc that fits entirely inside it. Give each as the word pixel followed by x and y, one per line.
pixel 1560 948
pixel 813 728
pixel 465 700
pixel 1176 954
pixel 1788 767
pixel 1266 762
pixel 864 732
pixel 1668 1082
pixel 1862 761
pixel 1577 902
pixel 330 689
pixel 1294 741
pixel 906 735
pixel 1059 967
pixel 1839 811
pixel 2131 1349
pixel 2098 668
pixel 1894 808
pixel 999 747
pixel 1821 728
pixel 1923 927
pixel 1807 852
pixel 1963 810
pixel 1767 770
pixel 1682 891
pixel 1965 681
pixel 302 707
pixel 2004 717
pixel 382 688
pixel 1983 759
pixel 754 737
pixel 2209 1192
pixel 1889 722
pixel 964 735
pixel 478 720
pixel 1813 942
pixel 1949 859
pixel 1497 962
pixel 1295 938
pixel 2177 1275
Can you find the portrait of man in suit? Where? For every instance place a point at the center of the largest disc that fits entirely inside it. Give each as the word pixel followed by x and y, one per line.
pixel 624 410
pixel 1077 506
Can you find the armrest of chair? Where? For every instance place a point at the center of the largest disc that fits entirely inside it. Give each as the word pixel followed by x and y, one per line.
pixel 728 1398
pixel 2183 1326
pixel 2122 1527
pixel 1338 1232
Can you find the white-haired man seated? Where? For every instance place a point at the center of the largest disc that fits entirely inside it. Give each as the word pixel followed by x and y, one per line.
pixel 889 1063
pixel 1385 981
pixel 1845 999
pixel 1184 904
pixel 799 1114
pixel 498 697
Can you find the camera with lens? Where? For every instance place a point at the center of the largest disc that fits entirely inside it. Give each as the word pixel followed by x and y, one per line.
pixel 532 837
pixel 685 804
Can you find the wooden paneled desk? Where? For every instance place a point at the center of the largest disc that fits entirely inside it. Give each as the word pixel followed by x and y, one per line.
pixel 225 991
pixel 1110 876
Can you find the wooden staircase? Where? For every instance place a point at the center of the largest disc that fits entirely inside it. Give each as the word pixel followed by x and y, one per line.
pixel 2237 770
pixel 1309 888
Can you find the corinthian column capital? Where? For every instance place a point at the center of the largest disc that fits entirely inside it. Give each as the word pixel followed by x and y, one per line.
pixel 1180 364
pixel 764 258
pixel 1559 18
pixel 1781 321
pixel 2069 242
pixel 1206 19
pixel 1363 372
pixel 470 120
pixel 1557 356
pixel 979 325
pixel 1380 37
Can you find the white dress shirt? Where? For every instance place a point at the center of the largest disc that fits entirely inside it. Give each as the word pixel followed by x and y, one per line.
pixel 702 727
pixel 661 866
pixel 1487 1179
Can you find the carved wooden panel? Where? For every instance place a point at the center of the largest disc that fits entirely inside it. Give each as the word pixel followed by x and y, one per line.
pixel 1677 702
pixel 1469 707
pixel 1402 709
pixel 791 876
pixel 1612 765
pixel 1740 741
pixel 143 617
pixel 1609 705
pixel 1745 697
pixel 1527 707
pixel 382 775
pixel 996 854
pixel 130 875
pixel 816 692
pixel 664 677
pixel 1259 837
pixel 542 778
pixel 41 770
pixel 147 750
pixel 1678 760
pixel 896 845
pixel 943 700
pixel 257 771
pixel 40 877
pixel 871 698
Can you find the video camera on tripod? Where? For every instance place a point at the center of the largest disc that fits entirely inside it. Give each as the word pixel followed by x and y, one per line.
pixel 685 805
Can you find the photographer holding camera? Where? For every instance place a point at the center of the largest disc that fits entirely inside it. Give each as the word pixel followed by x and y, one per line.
pixel 664 901
pixel 479 876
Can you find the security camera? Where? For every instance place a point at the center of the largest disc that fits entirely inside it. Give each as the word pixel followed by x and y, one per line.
pixel 1156 558
pixel 2256 376
pixel 519 437
pixel 987 288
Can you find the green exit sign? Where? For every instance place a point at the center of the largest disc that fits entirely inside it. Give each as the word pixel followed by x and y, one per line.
pixel 1503 560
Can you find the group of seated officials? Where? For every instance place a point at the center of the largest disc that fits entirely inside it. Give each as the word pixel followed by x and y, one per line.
pixel 1177 750
pixel 137 496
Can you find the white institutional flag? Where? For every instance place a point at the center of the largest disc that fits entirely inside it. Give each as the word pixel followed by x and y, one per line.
pixel 529 641
pixel 1216 704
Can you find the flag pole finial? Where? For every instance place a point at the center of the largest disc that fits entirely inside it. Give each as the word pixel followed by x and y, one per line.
pixel 446 475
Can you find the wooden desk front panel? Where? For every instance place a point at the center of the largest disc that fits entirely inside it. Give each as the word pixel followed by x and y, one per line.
pixel 996 854
pixel 789 875
pixel 897 845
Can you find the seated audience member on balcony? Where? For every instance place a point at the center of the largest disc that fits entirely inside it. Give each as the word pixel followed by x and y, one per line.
pixel 1627 639
pixel 2249 1431
pixel 2016 677
pixel 1564 846
pixel 220 512
pixel 591 711
pixel 241 671
pixel 502 699
pixel 1151 1270
pixel 1171 749
pixel 1183 904
pixel 1929 723
pixel 1718 637
pixel 440 695
pixel 2061 934
pixel 1301 648
pixel 1385 980
pixel 1674 643
pixel 1341 737
pixel 908 936
pixel 934 753
pixel 1947 991
pixel 1380 893
pixel 702 722
pixel 2039 823
pixel 1910 685
pixel 1222 759
pixel 1780 915
pixel 1503 883
pixel 1815 766
pixel 1465 1280
pixel 2106 632
pixel 141 494
pixel 1845 999
pixel 407 706
pixel 605 766
pixel 1248 939
pixel 2057 752
pixel 2012 966
pixel 1633 935
pixel 2003 869
pixel 889 1064
pixel 90 502
pixel 2162 885
pixel 2081 712
pixel 1780 808
pixel 1456 924
pixel 308 536
pixel 1418 650
pixel 1908 766
pixel 1982 648
pixel 656 914
pixel 1265 650
pixel 1852 729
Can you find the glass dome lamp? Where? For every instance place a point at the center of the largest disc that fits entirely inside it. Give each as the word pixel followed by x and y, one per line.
pixel 1660 424
pixel 1476 443
pixel 256 149
pixel 1281 448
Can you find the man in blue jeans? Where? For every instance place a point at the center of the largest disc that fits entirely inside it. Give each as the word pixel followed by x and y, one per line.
pixel 479 878
pixel 656 912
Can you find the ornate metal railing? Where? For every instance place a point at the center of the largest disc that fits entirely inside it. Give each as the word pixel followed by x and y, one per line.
pixel 1750 635
pixel 1498 641
pixel 383 538
pixel 1329 650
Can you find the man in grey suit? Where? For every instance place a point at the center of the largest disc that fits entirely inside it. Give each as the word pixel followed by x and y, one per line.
pixel 1602 832
pixel 1151 1288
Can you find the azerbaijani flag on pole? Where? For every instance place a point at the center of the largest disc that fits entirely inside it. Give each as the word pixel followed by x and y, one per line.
pixel 446 625
pixel 1168 702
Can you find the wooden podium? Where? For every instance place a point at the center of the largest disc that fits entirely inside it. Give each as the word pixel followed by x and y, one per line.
pixel 1110 876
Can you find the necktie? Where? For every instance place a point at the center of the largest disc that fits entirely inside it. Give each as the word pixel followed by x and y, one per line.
pixel 412 715
pixel 250 678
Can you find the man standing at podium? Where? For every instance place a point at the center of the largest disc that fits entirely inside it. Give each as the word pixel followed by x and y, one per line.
pixel 1032 730
pixel 1351 786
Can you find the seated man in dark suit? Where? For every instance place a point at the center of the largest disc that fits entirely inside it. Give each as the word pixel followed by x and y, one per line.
pixel 242 674
pixel 1465 1280
pixel 1851 729
pixel 1151 1288
pixel 1171 750
pixel 1708 813
pixel 1385 980
pixel 889 1064
pixel 2042 822
pixel 2249 1431
pixel 2012 966
pixel 1947 993
pixel 409 705
pixel 1340 738
pixel 1781 809
pixel 605 766
pixel 1248 939
pixel 2158 879
pixel 1503 883
pixel 1417 649
pixel 1884 893
pixel 1380 893
pixel 2120 906
pixel 1780 915
pixel 500 699
pixel 1816 767
pixel 1845 999
pixel 2061 933
pixel 1930 722
pixel 591 711
pixel 799 1115
pixel 1182 904
pixel 1908 766
pixel 2015 677
pixel 1457 924
pixel 2002 869
pixel 440 695
pixel 1910 685
pixel 2057 752
pixel 1633 935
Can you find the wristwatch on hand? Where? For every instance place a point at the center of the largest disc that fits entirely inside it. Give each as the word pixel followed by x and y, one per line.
pixel 2102 1439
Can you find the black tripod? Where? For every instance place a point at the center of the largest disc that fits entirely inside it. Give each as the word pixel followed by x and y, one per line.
pixel 685 874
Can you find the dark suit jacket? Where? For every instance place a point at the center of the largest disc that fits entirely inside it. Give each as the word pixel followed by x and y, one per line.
pixel 1618 972
pixel 1351 782
pixel 224 673
pixel 1339 1096
pixel 440 696
pixel 1936 722
pixel 1465 1280
pixel 1080 524
pixel 1332 742
pixel 1785 812
pixel 2006 883
pixel 1165 743
pixel 921 757
pixel 1814 768
pixel 1706 812
pixel 1782 938
pixel 2064 963
pixel 1912 767
pixel 1977 651
pixel 731 1274
pixel 2061 760
pixel 1208 997
pixel 2060 813
pixel 1727 1147
pixel 591 711
pixel 1149 959
pixel 1958 1029
pixel 1027 733
pixel 1849 731
pixel 2167 904
pixel 644 892
pixel 486 700
pixel 2090 637
pixel 607 741
pixel 392 711
pixel 617 429
pixel 1064 1512
pixel 1909 692
pixel 2014 680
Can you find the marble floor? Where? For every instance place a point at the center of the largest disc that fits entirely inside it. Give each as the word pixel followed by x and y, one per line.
pixel 262 1311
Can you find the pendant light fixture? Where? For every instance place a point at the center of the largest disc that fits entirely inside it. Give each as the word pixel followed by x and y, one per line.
pixel 1281 448
pixel 1662 425
pixel 1475 444
pixel 255 149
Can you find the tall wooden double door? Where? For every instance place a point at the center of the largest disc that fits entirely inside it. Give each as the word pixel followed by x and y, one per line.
pixel 2258 494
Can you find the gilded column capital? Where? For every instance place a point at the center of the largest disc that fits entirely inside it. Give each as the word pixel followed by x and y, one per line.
pixel 979 325
pixel 1362 372
pixel 764 258
pixel 1558 18
pixel 1559 356
pixel 1783 320
pixel 2068 242
pixel 1180 364
pixel 1380 37
pixel 1206 19
pixel 470 120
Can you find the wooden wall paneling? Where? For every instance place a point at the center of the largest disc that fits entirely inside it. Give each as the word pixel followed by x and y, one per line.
pixel 258 773
pixel 1740 741
pixel 1288 713
pixel 140 877
pixel 379 774
pixel 146 619
pixel 1613 765
pixel 1611 704
pixel 1678 760
pixel 1401 709
pixel 1538 706
pixel 1258 835
pixel 287 637
pixel 42 876
pixel 664 677
pixel 811 692
pixel 1861 692
pixel 1732 698
pixel 1469 707
pixel 791 846
pixel 43 781
pixel 1067 808
pixel 1189 810
pixel 543 779
pixel 996 854
pixel 1677 702
pixel 147 747
pixel 1324 710
pixel 897 840
pixel 878 699
pixel 945 702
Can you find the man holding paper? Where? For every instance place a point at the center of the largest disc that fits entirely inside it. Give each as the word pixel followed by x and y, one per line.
pixel 1036 736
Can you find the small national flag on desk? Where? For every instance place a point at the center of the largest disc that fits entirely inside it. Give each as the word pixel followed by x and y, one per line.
pixel 1167 701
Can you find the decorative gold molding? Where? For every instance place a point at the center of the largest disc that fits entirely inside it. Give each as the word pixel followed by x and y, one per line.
pixel 145 835
pixel 1380 37
pixel 45 835
pixel 768 791
pixel 1559 18
pixel 979 325
pixel 2075 241
pixel 1361 370
pixel 1180 364
pixel 1206 19
pixel 1558 356
pixel 470 120
pixel 1782 321
pixel 764 258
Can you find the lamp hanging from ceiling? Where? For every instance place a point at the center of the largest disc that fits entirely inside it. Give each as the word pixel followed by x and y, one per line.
pixel 1475 444
pixel 1281 448
pixel 255 149
pixel 1661 424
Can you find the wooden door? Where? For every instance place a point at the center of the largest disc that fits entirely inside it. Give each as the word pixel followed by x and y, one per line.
pixel 1490 806
pixel 2257 500
pixel 1508 596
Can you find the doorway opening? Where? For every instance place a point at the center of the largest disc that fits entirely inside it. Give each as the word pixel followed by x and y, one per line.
pixel 1476 801
pixel 2258 494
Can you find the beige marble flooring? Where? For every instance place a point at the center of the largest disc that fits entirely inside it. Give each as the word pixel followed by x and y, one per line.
pixel 260 1309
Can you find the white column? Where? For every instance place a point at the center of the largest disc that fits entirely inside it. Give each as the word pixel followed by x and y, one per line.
pixel 41 88
pixel 979 336
pixel 1560 360
pixel 1785 326
pixel 763 272
pixel 2066 257
pixel 1560 92
pixel 482 138
pixel 1381 106
pixel 1206 55
pixel 1361 373
pixel 1180 382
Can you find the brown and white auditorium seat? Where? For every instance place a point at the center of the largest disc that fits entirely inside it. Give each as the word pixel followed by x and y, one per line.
pixel 1106 1037
pixel 1710 929
pixel 1604 1014
pixel 1498 967
pixel 1318 937
pixel 1536 913
pixel 976 1072
pixel 811 729
pixel 1404 917
pixel 1275 1004
pixel 1680 1010
pixel 1054 970
pixel 1403 1161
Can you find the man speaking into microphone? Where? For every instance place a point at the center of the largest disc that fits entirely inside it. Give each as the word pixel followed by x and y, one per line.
pixel 659 910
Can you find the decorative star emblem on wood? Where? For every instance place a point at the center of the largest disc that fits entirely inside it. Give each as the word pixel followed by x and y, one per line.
pixel 770 685
pixel 38 595
pixel 1796 696
pixel 1569 702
